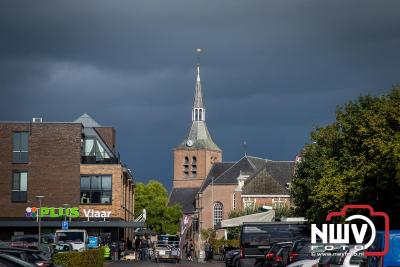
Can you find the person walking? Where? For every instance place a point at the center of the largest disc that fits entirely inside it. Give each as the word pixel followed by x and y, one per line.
pixel 144 245
pixel 190 250
pixel 207 250
pixel 114 251
pixel 137 248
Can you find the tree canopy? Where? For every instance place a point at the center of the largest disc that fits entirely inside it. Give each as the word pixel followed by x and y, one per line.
pixel 356 159
pixel 161 218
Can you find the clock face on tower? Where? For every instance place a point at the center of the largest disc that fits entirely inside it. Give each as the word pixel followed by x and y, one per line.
pixel 189 143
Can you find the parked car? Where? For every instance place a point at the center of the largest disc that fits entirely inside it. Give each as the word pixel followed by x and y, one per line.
pixel 232 258
pixel 392 257
pixel 301 250
pixel 62 247
pixel 7 260
pixel 257 238
pixel 278 255
pixel 304 263
pixel 29 255
pixel 343 258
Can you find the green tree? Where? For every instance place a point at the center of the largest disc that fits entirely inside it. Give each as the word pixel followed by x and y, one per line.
pixel 153 197
pixel 356 159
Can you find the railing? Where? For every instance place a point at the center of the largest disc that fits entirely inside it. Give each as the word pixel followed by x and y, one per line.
pixel 98 160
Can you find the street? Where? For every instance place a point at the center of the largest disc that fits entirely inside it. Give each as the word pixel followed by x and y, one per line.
pixel 164 264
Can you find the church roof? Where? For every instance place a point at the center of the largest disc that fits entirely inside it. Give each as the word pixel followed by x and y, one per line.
pixel 228 172
pixel 185 197
pixel 200 136
pixel 270 179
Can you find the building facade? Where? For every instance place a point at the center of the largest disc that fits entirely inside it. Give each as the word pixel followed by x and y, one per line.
pixel 251 182
pixel 75 166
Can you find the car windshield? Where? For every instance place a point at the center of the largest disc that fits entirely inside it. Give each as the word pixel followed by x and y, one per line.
pixel 60 247
pixel 167 240
pixel 69 237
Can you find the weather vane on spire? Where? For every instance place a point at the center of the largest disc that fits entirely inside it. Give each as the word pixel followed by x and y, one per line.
pixel 198 51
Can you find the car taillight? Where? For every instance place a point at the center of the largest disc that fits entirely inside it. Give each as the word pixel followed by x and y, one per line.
pixel 293 256
pixel 269 256
pixel 278 258
pixel 41 264
pixel 241 252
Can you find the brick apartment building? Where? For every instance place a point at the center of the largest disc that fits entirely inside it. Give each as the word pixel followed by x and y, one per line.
pixel 74 163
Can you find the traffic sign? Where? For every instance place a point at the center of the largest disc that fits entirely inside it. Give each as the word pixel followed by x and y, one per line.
pixel 64 225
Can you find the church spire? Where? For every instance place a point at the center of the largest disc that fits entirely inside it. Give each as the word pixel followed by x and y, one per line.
pixel 198 110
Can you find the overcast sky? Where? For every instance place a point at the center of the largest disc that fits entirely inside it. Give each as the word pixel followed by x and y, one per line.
pixel 271 70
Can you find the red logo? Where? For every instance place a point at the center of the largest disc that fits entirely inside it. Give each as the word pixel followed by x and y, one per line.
pixel 372 213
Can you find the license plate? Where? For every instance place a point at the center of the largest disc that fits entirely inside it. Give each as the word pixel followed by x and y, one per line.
pixel 162 252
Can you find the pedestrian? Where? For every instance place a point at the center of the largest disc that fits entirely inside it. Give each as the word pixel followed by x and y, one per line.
pixel 137 247
pixel 128 244
pixel 190 250
pixel 143 248
pixel 207 250
pixel 114 251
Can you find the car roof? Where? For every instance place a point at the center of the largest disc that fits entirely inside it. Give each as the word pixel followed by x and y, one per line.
pixel 20 249
pixel 15 259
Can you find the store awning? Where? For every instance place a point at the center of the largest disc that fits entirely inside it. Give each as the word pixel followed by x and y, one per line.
pixel 74 224
pixel 267 216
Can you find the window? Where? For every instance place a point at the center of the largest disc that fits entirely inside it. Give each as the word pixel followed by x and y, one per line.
pixel 218 208
pixel 19 187
pixel 96 189
pixel 93 148
pixel 20 147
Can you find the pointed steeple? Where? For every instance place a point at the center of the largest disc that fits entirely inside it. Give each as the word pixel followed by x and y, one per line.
pixel 198 110
pixel 198 136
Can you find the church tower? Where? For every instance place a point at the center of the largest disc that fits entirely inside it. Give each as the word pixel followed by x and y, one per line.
pixel 194 157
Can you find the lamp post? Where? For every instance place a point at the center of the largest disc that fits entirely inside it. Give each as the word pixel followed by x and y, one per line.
pixel 65 211
pixel 40 198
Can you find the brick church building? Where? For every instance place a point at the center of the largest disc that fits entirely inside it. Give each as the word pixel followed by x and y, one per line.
pixel 208 188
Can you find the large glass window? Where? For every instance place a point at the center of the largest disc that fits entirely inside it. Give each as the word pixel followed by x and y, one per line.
pixel 217 212
pixel 20 147
pixel 96 189
pixel 19 187
pixel 93 148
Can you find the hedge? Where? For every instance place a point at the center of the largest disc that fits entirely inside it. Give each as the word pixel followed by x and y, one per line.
pixel 88 258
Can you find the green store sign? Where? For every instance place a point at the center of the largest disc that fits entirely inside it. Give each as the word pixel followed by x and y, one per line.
pixel 32 212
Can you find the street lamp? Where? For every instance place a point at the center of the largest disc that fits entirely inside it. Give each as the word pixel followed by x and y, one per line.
pixel 40 198
pixel 65 211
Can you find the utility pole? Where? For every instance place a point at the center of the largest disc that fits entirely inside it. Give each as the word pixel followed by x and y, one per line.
pixel 40 198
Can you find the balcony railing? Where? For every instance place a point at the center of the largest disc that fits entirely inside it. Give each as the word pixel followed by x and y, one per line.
pixel 99 160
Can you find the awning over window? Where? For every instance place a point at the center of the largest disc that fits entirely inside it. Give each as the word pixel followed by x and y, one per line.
pixel 267 216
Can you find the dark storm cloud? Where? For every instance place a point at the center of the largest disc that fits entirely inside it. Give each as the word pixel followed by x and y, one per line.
pixel 271 69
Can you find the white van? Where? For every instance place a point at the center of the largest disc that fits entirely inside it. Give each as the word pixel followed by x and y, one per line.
pixel 78 238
